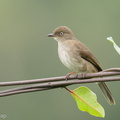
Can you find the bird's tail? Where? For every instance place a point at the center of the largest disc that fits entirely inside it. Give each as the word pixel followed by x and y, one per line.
pixel 108 95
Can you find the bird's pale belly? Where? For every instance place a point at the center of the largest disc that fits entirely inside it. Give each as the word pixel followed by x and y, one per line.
pixel 71 61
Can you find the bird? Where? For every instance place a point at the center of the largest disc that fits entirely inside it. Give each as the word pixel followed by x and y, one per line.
pixel 77 57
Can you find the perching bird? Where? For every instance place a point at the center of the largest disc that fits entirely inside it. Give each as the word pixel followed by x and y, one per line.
pixel 77 57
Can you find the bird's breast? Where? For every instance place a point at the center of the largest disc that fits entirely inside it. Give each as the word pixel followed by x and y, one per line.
pixel 69 58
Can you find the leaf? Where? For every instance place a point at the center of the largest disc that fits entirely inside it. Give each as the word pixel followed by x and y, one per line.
pixel 114 44
pixel 87 101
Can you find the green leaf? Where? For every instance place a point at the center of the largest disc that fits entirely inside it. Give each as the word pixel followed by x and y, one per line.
pixel 114 44
pixel 87 101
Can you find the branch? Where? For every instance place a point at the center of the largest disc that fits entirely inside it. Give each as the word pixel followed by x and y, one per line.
pixel 57 82
pixel 107 72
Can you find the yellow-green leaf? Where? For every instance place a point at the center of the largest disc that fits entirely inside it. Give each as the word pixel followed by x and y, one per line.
pixel 87 101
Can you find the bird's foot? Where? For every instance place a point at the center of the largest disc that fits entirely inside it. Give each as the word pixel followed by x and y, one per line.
pixel 67 76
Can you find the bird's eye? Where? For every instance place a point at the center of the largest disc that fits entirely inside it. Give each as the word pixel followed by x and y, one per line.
pixel 61 33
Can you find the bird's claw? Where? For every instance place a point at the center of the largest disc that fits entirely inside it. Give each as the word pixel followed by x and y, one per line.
pixel 67 76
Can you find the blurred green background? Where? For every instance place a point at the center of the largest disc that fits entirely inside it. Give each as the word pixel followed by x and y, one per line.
pixel 26 53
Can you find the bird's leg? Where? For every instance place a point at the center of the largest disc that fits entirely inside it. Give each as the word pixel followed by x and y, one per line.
pixel 67 76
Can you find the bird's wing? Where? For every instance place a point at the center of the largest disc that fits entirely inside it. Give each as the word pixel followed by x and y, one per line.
pixel 87 55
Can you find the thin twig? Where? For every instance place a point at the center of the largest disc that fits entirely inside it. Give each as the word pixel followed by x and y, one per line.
pixel 56 82
pixel 23 91
pixel 63 83
pixel 47 86
pixel 61 78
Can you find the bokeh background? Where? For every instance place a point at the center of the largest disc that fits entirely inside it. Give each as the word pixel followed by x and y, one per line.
pixel 26 53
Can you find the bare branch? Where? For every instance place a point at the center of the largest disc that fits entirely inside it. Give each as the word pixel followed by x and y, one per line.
pixel 107 72
pixel 56 82
pixel 23 91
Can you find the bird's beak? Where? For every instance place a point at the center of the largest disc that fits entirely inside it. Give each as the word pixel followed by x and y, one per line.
pixel 51 35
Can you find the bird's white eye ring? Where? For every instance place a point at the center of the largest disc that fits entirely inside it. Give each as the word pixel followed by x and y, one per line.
pixel 61 33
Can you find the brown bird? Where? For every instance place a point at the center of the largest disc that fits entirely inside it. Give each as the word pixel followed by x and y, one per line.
pixel 77 57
